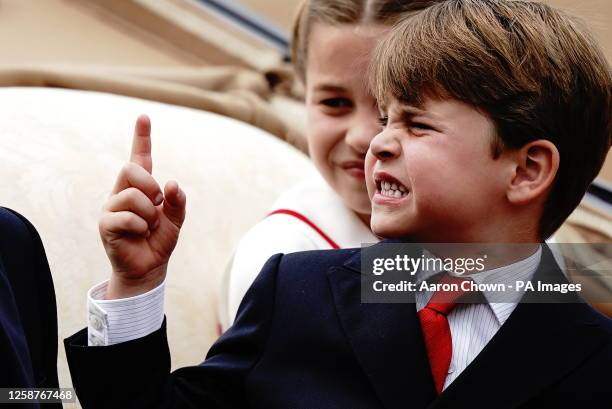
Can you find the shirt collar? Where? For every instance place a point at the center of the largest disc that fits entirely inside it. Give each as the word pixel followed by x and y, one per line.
pixel 522 270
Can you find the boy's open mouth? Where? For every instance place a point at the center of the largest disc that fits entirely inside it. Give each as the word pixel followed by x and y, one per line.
pixel 389 186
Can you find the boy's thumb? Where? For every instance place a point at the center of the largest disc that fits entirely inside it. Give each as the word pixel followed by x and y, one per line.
pixel 175 202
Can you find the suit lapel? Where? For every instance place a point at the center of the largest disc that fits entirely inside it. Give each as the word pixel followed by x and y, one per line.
pixel 539 344
pixel 386 339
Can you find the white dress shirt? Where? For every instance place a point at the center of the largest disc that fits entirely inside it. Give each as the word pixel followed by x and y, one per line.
pixel 114 321
pixel 472 325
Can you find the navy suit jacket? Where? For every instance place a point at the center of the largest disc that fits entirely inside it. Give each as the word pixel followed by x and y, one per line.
pixel 303 339
pixel 28 319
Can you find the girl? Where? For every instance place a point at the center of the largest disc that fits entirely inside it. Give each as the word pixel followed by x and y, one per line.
pixel 332 42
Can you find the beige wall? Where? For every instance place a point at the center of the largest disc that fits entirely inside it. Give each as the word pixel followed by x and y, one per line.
pixel 35 31
pixel 598 15
pixel 126 32
pixel 282 16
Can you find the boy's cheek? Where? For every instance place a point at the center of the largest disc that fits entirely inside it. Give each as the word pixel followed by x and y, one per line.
pixel 370 187
pixel 370 161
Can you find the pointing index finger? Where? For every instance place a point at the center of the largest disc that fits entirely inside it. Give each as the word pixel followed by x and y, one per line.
pixel 141 144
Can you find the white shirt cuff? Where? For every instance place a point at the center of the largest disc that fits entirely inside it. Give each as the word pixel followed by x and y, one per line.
pixel 121 320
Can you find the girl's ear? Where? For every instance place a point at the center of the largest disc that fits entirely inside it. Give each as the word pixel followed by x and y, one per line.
pixel 536 165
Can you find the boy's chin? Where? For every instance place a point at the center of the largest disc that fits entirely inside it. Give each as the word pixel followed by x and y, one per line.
pixel 389 228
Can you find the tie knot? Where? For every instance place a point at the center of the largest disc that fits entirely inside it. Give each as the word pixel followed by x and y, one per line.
pixel 445 300
pixel 442 308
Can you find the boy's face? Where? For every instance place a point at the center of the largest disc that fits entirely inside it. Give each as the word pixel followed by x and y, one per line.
pixel 448 187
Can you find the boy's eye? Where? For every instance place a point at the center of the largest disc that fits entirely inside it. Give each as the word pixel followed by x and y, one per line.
pixel 420 125
pixel 383 120
pixel 337 103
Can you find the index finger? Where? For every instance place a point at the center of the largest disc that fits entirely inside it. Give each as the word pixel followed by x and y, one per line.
pixel 141 144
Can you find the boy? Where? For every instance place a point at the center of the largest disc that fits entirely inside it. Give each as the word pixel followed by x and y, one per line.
pixel 497 117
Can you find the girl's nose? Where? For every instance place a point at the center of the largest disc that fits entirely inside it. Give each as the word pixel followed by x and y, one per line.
pixel 361 133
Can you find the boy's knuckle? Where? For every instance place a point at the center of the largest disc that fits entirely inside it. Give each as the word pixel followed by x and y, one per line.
pixel 126 169
pixel 106 223
pixel 132 195
pixel 150 183
pixel 119 218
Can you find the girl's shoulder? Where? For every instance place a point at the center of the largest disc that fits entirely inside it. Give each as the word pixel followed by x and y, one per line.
pixel 307 195
pixel 320 211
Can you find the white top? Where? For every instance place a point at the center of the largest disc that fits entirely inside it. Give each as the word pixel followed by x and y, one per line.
pixel 285 233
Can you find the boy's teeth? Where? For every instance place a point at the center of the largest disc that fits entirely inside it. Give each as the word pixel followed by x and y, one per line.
pixel 393 192
pixel 392 189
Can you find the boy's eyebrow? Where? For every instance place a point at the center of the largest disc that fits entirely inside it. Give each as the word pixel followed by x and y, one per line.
pixel 407 110
pixel 412 110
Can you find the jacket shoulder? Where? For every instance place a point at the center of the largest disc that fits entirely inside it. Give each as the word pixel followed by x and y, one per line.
pixel 14 225
pixel 307 272
pixel 314 261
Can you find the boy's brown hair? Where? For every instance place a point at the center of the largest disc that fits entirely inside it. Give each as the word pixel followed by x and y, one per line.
pixel 534 70
pixel 345 12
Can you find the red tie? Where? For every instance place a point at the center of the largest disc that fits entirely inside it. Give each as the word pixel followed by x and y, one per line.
pixel 436 331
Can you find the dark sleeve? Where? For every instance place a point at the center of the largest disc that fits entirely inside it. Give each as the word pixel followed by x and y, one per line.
pixel 16 363
pixel 25 264
pixel 136 374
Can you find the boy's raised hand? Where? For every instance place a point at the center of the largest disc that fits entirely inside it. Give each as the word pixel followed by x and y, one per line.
pixel 140 225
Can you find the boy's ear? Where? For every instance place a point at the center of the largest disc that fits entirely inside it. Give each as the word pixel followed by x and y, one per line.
pixel 535 168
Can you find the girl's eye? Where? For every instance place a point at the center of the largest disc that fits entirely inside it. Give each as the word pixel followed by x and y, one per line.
pixel 337 103
pixel 383 120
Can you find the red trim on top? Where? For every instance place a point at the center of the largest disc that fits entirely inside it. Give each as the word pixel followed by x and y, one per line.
pixel 308 222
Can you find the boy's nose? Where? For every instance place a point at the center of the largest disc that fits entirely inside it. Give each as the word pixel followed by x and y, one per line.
pixel 384 146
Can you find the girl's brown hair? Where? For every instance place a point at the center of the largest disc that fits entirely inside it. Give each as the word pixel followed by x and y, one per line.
pixel 337 12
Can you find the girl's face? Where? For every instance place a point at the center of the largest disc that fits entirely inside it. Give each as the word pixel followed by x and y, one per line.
pixel 342 117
